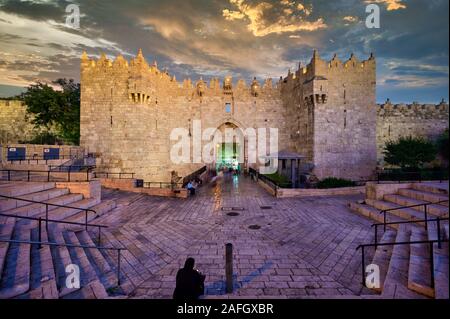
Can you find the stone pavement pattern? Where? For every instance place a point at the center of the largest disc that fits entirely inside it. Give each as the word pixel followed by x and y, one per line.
pixel 305 247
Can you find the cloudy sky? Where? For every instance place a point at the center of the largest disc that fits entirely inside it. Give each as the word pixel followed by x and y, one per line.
pixel 243 38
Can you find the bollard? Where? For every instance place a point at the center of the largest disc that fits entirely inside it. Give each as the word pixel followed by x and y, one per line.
pixel 229 268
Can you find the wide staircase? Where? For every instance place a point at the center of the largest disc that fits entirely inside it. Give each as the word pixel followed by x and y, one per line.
pixel 411 241
pixel 34 255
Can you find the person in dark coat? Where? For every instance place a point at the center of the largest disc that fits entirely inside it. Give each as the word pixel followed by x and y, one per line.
pixel 189 283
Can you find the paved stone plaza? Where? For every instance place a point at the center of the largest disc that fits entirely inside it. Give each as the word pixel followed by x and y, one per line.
pixel 305 247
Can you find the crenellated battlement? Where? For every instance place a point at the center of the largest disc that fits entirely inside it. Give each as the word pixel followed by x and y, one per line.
pixel 437 111
pixel 318 66
pixel 145 81
pixel 318 79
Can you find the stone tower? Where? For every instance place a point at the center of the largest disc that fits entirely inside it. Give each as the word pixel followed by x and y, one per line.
pixel 332 107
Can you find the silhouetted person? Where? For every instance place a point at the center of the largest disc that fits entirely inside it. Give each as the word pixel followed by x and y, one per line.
pixel 190 282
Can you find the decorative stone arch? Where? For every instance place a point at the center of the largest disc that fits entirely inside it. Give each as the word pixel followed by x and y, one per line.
pixel 231 120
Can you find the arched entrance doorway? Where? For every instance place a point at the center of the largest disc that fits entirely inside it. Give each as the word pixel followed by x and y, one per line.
pixel 230 151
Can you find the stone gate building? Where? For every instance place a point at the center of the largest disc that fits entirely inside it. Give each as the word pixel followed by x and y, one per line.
pixel 325 111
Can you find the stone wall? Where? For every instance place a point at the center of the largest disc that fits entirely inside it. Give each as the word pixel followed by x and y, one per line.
pixel 325 111
pixel 417 120
pixel 129 110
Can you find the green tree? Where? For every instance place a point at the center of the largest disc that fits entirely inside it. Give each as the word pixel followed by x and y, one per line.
pixel 409 152
pixel 443 145
pixel 56 108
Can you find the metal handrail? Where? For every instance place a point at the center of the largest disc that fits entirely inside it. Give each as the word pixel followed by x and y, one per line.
pixel 425 205
pixel 429 242
pixel 438 220
pixel 107 174
pixel 30 159
pixel 47 220
pixel 86 210
pixel 48 172
pixel 40 243
pixel 194 174
pixel 270 183
pixel 169 184
pixel 74 168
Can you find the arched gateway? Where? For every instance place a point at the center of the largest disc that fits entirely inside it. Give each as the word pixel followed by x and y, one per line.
pixel 325 110
pixel 230 151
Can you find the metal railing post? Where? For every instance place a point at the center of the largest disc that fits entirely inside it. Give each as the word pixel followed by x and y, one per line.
pixel 48 175
pixel 9 175
pixel 46 217
pixel 40 233
pixel 28 175
pixel 118 267
pixel 426 216
pixel 432 264
pixel 439 232
pixel 376 234
pixel 384 221
pixel 229 268
pixel 363 270
pixel 99 234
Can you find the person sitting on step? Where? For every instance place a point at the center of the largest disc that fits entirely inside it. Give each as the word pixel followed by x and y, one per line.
pixel 190 283
pixel 191 188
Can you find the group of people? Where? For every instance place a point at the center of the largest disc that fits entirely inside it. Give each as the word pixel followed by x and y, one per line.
pixel 192 185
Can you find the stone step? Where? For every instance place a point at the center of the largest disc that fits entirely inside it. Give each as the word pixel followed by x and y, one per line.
pixel 419 274
pixel 404 213
pixel 6 232
pixel 101 208
pixel 42 279
pixel 437 188
pixel 104 271
pixel 47 290
pixel 93 290
pixel 20 189
pixel 79 257
pixel 435 210
pixel 131 270
pixel 374 214
pixel 425 196
pixel 39 209
pixel 16 272
pixel 440 262
pixel 63 213
pixel 61 259
pixel 396 282
pixel 383 256
pixel 8 204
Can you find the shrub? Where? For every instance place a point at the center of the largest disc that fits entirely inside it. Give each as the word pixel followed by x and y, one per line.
pixel 333 182
pixel 279 180
pixel 410 153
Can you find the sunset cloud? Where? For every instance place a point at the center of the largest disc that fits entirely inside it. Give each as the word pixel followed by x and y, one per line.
pixel 265 18
pixel 350 19
pixel 391 5
pixel 241 38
